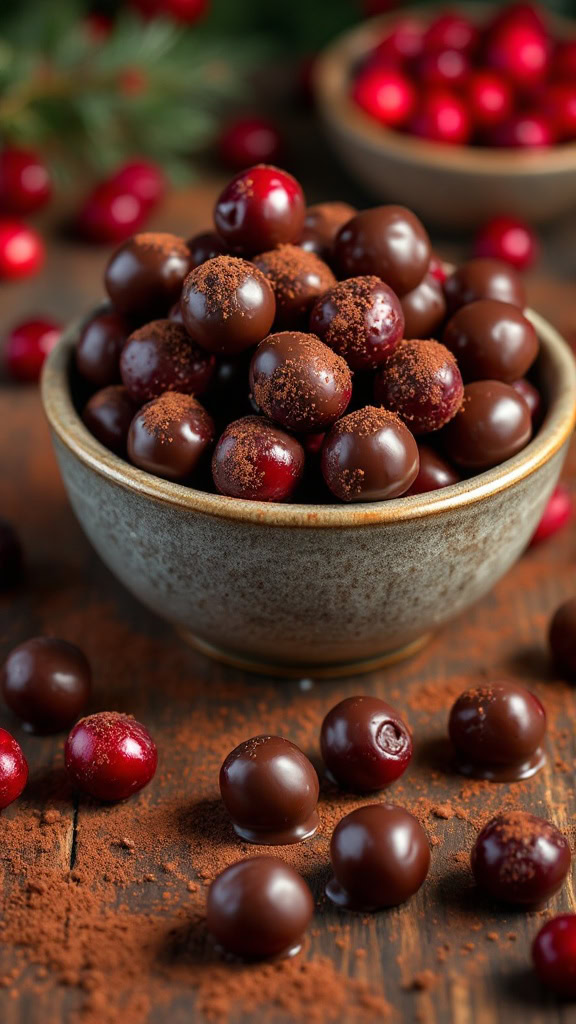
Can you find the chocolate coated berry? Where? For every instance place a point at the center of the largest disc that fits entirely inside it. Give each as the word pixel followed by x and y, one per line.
pixel 170 435
pixel 110 756
pixel 256 460
pixel 563 637
pixel 227 305
pixel 492 341
pixel 144 276
pixel 424 308
pixel 434 472
pixel 492 425
pixel 361 319
pixel 389 242
pixel 484 279
pixel 520 859
pixel 108 415
pixel 161 356
pixel 46 682
pixel 99 347
pixel 369 455
pixel 298 278
pixel 420 382
pixel 260 209
pixel 365 744
pixel 321 225
pixel 13 769
pixel 205 246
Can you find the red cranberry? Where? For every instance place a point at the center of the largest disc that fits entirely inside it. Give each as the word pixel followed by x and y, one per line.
pixel 525 130
pixel 520 12
pixel 361 319
pixel 99 347
pixel 205 246
pixel 490 98
pixel 25 183
pixel 519 50
pixel 143 179
pixel 560 105
pixel 557 514
pixel 442 117
pixel 562 637
pixel 365 744
pixel 97 26
pixel 256 460
pixel 186 11
pixel 369 455
pixel 386 94
pixel 554 955
pixel 259 209
pixel 22 250
pixel 13 769
pixel 520 859
pixel 443 69
pixel 161 356
pixel 437 268
pixel 434 472
pixel 27 346
pixel 508 239
pixel 564 60
pixel 11 557
pixel 404 40
pixel 110 756
pixel 111 213
pixel 451 31
pixel 248 141
pixel 531 396
pixel 422 384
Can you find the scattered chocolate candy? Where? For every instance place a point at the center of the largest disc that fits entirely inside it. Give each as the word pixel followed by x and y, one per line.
pixel 11 557
pixel 361 319
pixel 259 908
pixel 491 340
pixel 227 305
pixel 46 682
pixel 484 279
pixel 562 637
pixel 492 425
pixel 520 859
pixel 387 241
pixel 369 455
pixel 434 472
pixel 298 278
pixel 497 731
pixel 531 396
pixel 108 415
pixel 299 382
pixel 170 435
pixel 205 246
pixel 162 357
pixel 424 309
pixel 420 382
pixel 110 756
pixel 380 858
pixel 99 347
pixel 13 769
pixel 554 955
pixel 256 460
pixel 144 276
pixel 270 790
pixel 321 225
pixel 260 209
pixel 365 744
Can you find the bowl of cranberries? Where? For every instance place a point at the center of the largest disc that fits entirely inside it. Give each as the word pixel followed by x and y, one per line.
pixel 459 113
pixel 299 437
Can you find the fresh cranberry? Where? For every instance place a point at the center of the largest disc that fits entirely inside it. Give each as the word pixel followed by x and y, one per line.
pixel 259 209
pixel 531 396
pixel 519 50
pixel 110 756
pixel 404 41
pixel 508 239
pixel 437 268
pixel 186 11
pixel 520 13
pixel 559 104
pixel 530 130
pixel 554 954
pixel 490 98
pixel 557 514
pixel 385 94
pixel 443 68
pixel 22 250
pixel 249 140
pixel 27 346
pixel 143 179
pixel 25 183
pixel 11 556
pixel 98 26
pixel 256 460
pixel 564 61
pixel 442 117
pixel 111 213
pixel 13 769
pixel 451 31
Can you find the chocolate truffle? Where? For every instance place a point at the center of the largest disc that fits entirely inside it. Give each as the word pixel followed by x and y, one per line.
pixel 491 340
pixel 259 908
pixel 259 209
pixel 161 356
pixel 144 276
pixel 484 278
pixel 420 382
pixel 424 309
pixel 520 859
pixel 108 415
pixel 11 559
pixel 365 744
pixel 99 347
pixel 256 460
pixel 270 790
pixel 389 242
pixel 170 435
pixel 380 858
pixel 497 731
pixel 227 305
pixel 299 382
pixel 369 455
pixel 531 396
pixel 492 425
pixel 321 225
pixel 563 637
pixel 298 278
pixel 46 682
pixel 434 472
pixel 205 246
pixel 361 319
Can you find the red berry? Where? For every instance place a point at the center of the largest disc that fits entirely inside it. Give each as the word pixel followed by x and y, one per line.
pixel 111 214
pixel 98 26
pixel 187 11
pixel 554 954
pixel 559 103
pixel 24 181
pixel 110 756
pixel 385 94
pixel 21 250
pixel 490 98
pixel 13 769
pixel 557 514
pixel 520 13
pixel 27 346
pixel 404 41
pixel 441 68
pixel 508 239
pixel 519 50
pixel 259 209
pixel 437 268
pixel 524 131
pixel 249 140
pixel 451 31
pixel 257 461
pixel 143 179
pixel 442 117
pixel 563 64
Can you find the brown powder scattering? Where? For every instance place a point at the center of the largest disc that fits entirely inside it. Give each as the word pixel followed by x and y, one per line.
pixel 163 242
pixel 419 381
pixel 492 936
pixel 240 451
pixel 444 810
pixel 366 421
pixel 163 415
pixel 219 281
pixel 297 277
pixel 349 302
pixel 50 817
pixel 306 368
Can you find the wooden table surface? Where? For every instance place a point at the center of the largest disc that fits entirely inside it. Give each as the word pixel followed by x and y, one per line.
pixel 475 954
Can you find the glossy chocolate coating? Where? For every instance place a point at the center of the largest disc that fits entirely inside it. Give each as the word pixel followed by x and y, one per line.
pixel 270 790
pixel 497 731
pixel 420 382
pixel 99 347
pixel 228 395
pixel 108 415
pixel 492 341
pixel 369 455
pixel 144 276
pixel 46 682
pixel 321 225
pixel 256 460
pixel 361 319
pixel 299 382
pixel 484 278
pixel 380 858
pixel 259 908
pixel 531 396
pixel 424 309
pixel 434 472
pixel 205 246
pixel 227 305
pixel 298 279
pixel 562 637
pixel 493 424
pixel 170 435
pixel 387 241
pixel 365 744
pixel 259 209
pixel 520 859
pixel 11 558
pixel 161 356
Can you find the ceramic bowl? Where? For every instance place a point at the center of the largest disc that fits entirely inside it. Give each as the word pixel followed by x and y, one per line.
pixel 303 590
pixel 449 186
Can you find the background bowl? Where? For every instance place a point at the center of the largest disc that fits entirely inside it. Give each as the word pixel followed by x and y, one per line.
pixel 449 186
pixel 309 589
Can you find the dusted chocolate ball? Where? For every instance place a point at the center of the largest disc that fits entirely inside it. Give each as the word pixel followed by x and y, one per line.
pixel 492 341
pixel 298 278
pixel 46 682
pixel 170 435
pixel 108 415
pixel 389 242
pixel 299 382
pixel 259 209
pixel 369 455
pixel 424 309
pixel 259 908
pixel 434 472
pixel 492 425
pixel 420 382
pixel 227 305
pixel 484 279
pixel 256 460
pixel 144 276
pixel 321 225
pixel 563 637
pixel 380 858
pixel 365 744
pixel 11 558
pixel 161 356
pixel 497 731
pixel 520 859
pixel 205 246
pixel 270 790
pixel 361 319
pixel 99 347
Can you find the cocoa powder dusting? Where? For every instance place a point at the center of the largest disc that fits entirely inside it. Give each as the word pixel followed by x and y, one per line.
pixel 163 242
pixel 219 281
pixel 166 411
pixel 297 277
pixel 292 385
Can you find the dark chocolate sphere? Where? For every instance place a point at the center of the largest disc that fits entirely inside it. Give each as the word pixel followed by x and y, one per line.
pixel 270 790
pixel 424 309
pixel 299 382
pixel 321 225
pixel 205 246
pixel 380 858
pixel 170 436
pixel 259 209
pixel 562 637
pixel 434 472
pixel 227 305
pixel 361 319
pixel 497 731
pixel 365 744
pixel 387 241
pixel 492 341
pixel 259 908
pixel 484 278
pixel 144 276
pixel 520 859
pixel 46 682
pixel 99 347
pixel 11 557
pixel 298 278
pixel 256 460
pixel 531 396
pixel 161 356
pixel 420 382
pixel 492 425
pixel 369 455
pixel 108 415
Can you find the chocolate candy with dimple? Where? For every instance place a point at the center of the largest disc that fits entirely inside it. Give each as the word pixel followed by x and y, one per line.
pixel 365 744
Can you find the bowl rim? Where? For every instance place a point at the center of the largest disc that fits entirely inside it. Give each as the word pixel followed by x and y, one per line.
pixel 554 432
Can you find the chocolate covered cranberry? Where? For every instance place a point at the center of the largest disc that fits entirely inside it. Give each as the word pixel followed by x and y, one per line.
pixel 365 744
pixel 46 682
pixel 321 225
pixel 420 382
pixel 13 769
pixel 227 305
pixel 298 278
pixel 369 455
pixel 361 319
pixel 110 756
pixel 170 436
pixel 424 308
pixel 554 954
pixel 256 460
pixel 260 209
pixel 531 396
pixel 108 415
pixel 484 278
pixel 144 276
pixel 161 356
pixel 434 472
pixel 205 246
pixel 99 347
pixel 562 637
pixel 389 242
pixel 520 859
pixel 492 424
pixel 11 558
pixel 491 340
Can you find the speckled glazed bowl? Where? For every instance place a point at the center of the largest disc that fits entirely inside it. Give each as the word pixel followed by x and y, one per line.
pixel 309 589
